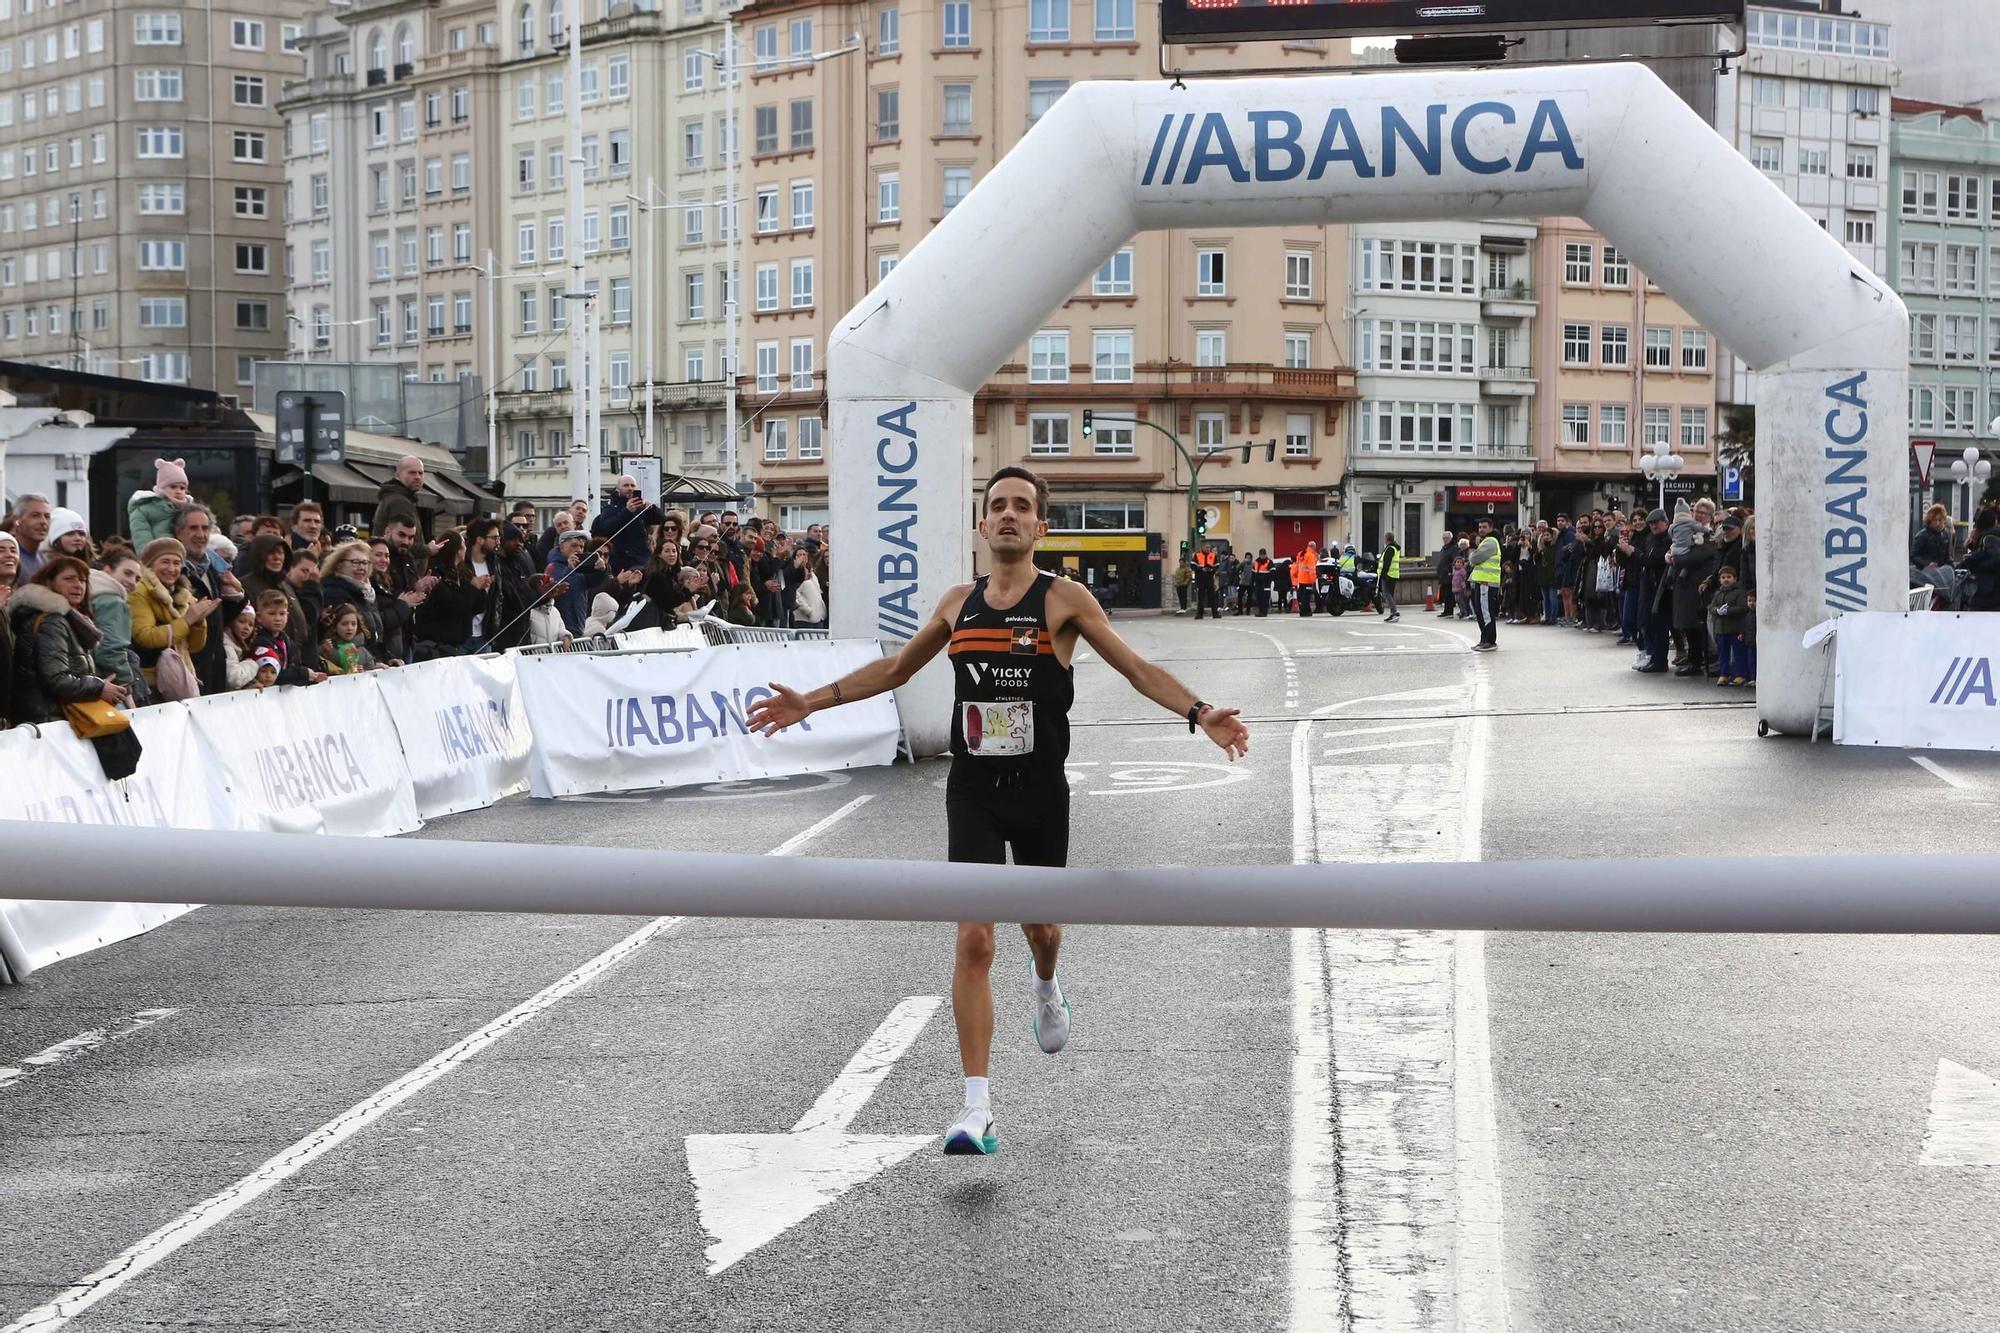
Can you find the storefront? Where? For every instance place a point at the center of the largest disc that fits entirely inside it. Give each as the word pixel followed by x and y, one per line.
pixel 1471 504
pixel 1128 564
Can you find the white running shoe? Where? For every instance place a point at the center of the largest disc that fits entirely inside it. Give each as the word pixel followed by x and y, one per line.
pixel 973 1135
pixel 1051 1021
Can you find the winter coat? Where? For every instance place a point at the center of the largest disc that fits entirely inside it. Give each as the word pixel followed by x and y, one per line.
pixel 570 589
pixel 311 598
pixel 52 665
pixel 445 618
pixel 1649 562
pixel 1982 562
pixel 150 517
pixel 1691 570
pixel 155 611
pixel 339 590
pixel 1931 547
pixel 291 659
pixel 6 670
pixel 629 533
pixel 239 668
pixel 203 573
pixel 1732 611
pixel 811 606
pixel 112 614
pixel 394 502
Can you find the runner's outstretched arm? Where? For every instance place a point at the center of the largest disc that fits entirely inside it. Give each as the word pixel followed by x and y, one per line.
pixel 1223 725
pixel 786 706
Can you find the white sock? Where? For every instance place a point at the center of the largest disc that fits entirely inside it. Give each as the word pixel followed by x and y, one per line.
pixel 1045 990
pixel 975 1092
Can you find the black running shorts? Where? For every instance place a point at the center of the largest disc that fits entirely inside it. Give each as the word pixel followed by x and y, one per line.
pixel 1031 815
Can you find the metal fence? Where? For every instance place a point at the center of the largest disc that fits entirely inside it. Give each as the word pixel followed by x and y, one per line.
pixel 720 632
pixel 1920 598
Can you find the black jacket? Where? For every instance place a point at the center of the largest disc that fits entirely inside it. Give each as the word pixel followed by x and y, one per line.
pixel 1931 547
pixel 338 590
pixel 445 618
pixel 396 501
pixel 1982 562
pixel 52 663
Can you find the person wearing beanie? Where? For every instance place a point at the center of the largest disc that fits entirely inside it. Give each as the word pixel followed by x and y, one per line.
pixel 70 535
pixel 152 514
pixel 167 614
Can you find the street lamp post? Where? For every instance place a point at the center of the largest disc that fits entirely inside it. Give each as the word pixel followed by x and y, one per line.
pixel 1661 465
pixel 493 277
pixel 1970 470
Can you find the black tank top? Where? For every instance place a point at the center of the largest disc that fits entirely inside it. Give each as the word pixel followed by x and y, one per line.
pixel 1011 695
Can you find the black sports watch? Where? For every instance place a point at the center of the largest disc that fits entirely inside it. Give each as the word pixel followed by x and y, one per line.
pixel 1194 715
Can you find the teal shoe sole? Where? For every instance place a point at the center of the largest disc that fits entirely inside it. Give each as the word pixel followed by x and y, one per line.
pixel 964 1145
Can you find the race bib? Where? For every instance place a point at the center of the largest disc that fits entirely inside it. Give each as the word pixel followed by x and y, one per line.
pixel 999 729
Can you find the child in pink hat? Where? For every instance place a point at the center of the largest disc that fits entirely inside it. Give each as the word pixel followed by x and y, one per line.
pixel 153 514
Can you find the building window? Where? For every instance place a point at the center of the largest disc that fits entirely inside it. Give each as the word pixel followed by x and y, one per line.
pixel 957 24
pixel 1919 266
pixel 801 37
pixel 888 31
pixel 252 201
pixel 1920 193
pixel 1298 351
pixel 957 103
pixel 767 287
pixel 888 197
pixel 1576 423
pixel 1577 263
pixel 1111 356
pixel 1113 439
pixel 1812 161
pixel 802 363
pixel 1048 20
pixel 163 312
pixel 1048 434
pixel 1694 428
pixel 149 29
pixel 1043 94
pixel 1209 273
pixel 802 204
pixel 248 146
pixel 694 295
pixel 1617 269
pixel 777 432
pixel 461 312
pixel 247 89
pixel 802 124
pixel 1115 21
pixel 1576 344
pixel 156 85
pixel 1923 337
pixel 157 256
pixel 1611 425
pixel 1767 91
pixel 1048 357
pixel 159 142
pixel 1114 276
pixel 1421 266
pixel 1659 349
pixel 809 438
pixel 529 301
pixel 1859 229
pixel 1615 344
pixel 888 115
pixel 1298 275
pixel 957 184
pixel 802 284
pixel 767 367
pixel 1694 349
pixel 246 34
pixel 163 197
pixel 1211 347
pixel 253 257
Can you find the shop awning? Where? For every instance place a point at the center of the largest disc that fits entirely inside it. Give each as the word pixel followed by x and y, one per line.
pixel 343 483
pixel 698 488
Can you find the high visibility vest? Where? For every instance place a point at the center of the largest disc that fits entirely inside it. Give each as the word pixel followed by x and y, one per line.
pixel 1487 570
pixel 1263 566
pixel 1395 569
pixel 1304 573
pixel 1347 564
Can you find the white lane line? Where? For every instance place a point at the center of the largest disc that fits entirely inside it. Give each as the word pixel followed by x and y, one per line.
pixel 82 1044
pixel 1964 1124
pixel 1383 731
pixel 1932 767
pixel 1318 1286
pixel 165 1242
pixel 1386 745
pixel 1285 654
pixel 791 845
pixel 839 1104
pixel 1481 1281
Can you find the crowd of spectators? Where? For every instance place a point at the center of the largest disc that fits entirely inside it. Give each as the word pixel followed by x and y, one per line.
pixel 1680 589
pixel 173 607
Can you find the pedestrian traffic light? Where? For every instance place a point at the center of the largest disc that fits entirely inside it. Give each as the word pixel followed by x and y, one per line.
pixel 1086 423
pixel 1184 550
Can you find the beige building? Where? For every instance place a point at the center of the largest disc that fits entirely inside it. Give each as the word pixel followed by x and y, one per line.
pixel 1622 365
pixel 139 180
pixel 1220 337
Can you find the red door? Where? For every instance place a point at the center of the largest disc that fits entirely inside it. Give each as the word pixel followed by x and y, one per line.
pixel 1289 536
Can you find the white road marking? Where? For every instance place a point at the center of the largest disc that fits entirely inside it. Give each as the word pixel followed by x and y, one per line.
pixel 751 1188
pixel 1384 745
pixel 1285 655
pixel 168 1240
pixel 82 1044
pixel 1378 652
pixel 791 845
pixel 1398 1198
pixel 1932 767
pixel 1394 727
pixel 1964 1128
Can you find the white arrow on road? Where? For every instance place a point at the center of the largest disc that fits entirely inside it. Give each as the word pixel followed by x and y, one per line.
pixel 751 1188
pixel 1965 1119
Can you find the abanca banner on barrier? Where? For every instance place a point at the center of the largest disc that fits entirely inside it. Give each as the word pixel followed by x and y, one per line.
pixel 640 721
pixel 464 733
pixel 1923 681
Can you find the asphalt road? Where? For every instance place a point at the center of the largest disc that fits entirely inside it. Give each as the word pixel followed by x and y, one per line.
pixel 1250 1130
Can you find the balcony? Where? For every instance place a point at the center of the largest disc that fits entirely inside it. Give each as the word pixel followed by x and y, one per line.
pixel 1472 461
pixel 682 393
pixel 1507 382
pixel 1515 302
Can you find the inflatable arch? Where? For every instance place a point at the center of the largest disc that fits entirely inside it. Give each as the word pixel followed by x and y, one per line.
pixel 1606 143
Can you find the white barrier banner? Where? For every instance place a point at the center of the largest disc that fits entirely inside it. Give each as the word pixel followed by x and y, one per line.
pixel 1929 680
pixel 312 759
pixel 464 733
pixel 644 721
pixel 679 637
pixel 54 776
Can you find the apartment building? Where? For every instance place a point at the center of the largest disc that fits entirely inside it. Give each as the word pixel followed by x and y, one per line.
pixel 1809 106
pixel 1945 233
pixel 1621 367
pixel 653 113
pixel 1443 318
pixel 139 231
pixel 385 137
pixel 1211 338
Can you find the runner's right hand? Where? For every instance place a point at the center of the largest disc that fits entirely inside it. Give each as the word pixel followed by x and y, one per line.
pixel 778 710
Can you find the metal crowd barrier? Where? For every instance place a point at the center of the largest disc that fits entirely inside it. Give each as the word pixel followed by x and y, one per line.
pixel 721 633
pixel 1920 598
pixel 592 643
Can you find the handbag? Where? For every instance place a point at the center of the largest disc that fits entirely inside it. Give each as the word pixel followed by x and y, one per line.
pixel 91 718
pixel 173 678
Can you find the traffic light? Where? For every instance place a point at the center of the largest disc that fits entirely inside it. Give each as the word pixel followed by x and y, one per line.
pixel 1200 523
pixel 1184 550
pixel 1086 423
pixel 1270 451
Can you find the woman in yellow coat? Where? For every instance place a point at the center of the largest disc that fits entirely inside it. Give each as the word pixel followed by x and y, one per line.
pixel 164 605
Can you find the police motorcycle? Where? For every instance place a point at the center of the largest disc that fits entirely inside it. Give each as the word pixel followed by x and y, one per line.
pixel 1345 584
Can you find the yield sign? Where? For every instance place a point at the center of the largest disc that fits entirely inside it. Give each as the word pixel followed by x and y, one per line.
pixel 751 1188
pixel 1924 451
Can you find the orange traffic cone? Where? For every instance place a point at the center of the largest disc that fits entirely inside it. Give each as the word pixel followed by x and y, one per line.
pixel 1430 600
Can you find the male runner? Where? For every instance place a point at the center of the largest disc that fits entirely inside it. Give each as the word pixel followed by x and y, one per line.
pixel 1010 634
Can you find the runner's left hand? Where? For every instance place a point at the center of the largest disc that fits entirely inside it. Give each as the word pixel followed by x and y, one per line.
pixel 1226 729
